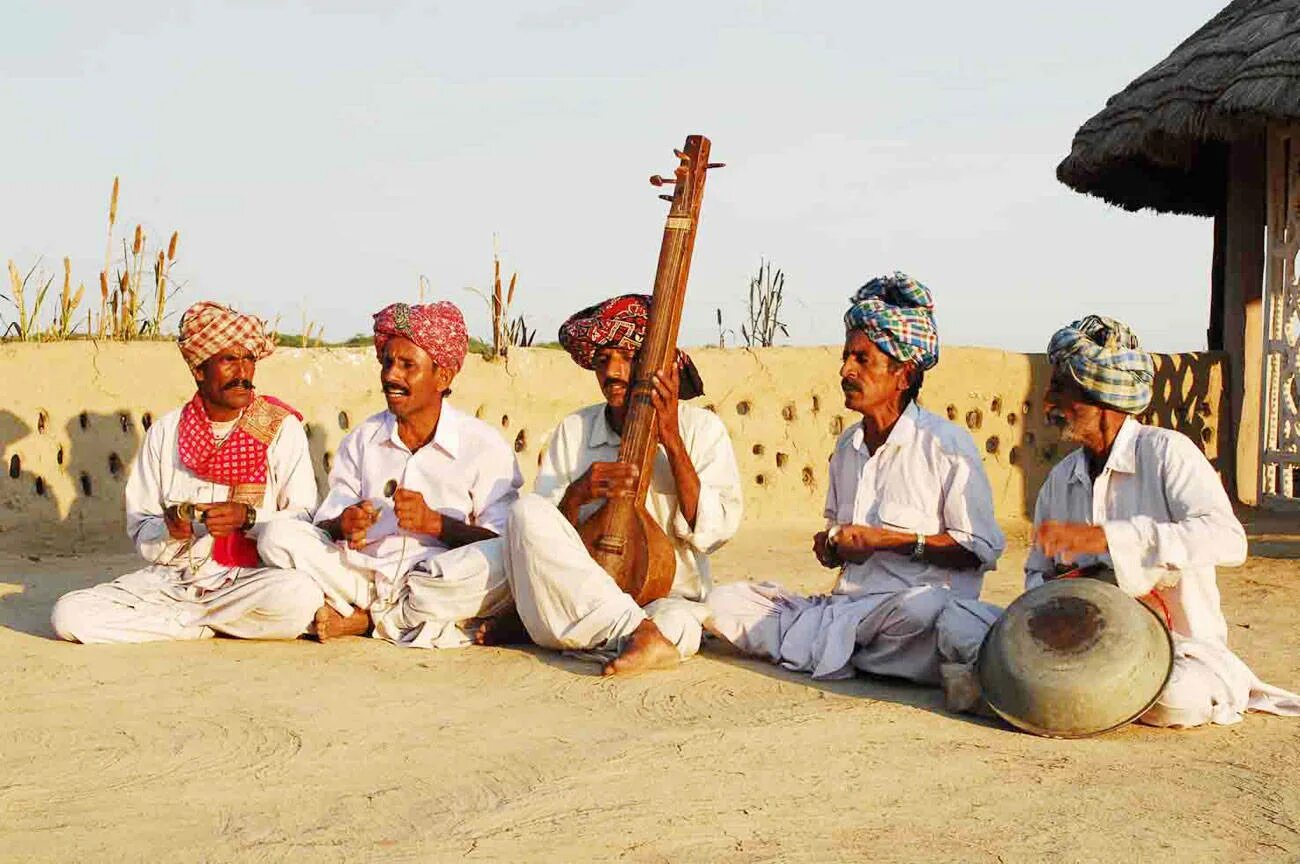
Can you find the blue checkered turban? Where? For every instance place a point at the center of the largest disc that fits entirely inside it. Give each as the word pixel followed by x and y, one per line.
pixel 1104 358
pixel 897 313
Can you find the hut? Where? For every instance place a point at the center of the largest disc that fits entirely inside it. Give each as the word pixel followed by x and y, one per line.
pixel 1214 130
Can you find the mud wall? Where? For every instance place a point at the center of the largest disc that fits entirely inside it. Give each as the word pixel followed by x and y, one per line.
pixel 72 416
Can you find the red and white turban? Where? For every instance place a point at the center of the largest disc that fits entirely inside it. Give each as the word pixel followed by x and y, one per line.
pixel 437 328
pixel 620 322
pixel 208 327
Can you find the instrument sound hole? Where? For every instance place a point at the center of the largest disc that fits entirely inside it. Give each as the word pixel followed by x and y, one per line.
pixel 1067 625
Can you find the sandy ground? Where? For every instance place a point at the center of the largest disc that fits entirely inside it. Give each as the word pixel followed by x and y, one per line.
pixel 359 751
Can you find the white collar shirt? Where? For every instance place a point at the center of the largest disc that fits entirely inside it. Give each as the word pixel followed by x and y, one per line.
pixel 1167 519
pixel 926 478
pixel 467 472
pixel 159 479
pixel 585 437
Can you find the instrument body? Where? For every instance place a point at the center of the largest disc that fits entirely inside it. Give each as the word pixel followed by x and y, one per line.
pixel 1074 658
pixel 622 536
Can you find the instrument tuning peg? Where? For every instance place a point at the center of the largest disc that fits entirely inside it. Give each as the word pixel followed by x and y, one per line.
pixel 656 180
pixel 716 165
pixel 680 155
pixel 667 198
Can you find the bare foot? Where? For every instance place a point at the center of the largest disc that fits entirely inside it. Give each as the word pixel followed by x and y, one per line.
pixel 645 651
pixel 504 629
pixel 329 624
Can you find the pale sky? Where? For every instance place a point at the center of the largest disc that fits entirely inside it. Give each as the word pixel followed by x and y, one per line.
pixel 323 155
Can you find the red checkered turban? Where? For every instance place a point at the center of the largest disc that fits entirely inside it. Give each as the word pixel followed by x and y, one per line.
pixel 208 327
pixel 438 328
pixel 620 322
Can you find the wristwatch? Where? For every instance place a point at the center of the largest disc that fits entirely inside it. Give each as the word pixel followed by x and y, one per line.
pixel 832 535
pixel 919 549
pixel 251 519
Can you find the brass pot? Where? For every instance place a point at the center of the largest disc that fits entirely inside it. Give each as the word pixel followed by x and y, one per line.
pixel 1073 658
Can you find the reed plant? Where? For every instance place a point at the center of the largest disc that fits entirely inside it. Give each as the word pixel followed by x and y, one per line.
pixel 506 333
pixel 766 291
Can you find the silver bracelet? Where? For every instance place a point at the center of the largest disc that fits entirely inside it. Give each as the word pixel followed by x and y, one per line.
pixel 919 549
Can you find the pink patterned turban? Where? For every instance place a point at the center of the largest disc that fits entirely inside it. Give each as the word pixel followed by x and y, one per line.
pixel 208 327
pixel 438 328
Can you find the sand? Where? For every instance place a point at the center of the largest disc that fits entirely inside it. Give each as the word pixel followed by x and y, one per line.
pixel 359 751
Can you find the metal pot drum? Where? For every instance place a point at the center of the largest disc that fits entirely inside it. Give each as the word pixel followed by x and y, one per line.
pixel 1073 658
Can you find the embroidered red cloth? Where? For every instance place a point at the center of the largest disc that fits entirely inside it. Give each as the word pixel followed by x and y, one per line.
pixel 239 461
pixel 620 322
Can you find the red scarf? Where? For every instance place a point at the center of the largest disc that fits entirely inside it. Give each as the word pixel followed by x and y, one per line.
pixel 239 462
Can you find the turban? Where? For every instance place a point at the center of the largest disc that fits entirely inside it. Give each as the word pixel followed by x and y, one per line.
pixel 438 328
pixel 897 314
pixel 620 322
pixel 208 327
pixel 1104 358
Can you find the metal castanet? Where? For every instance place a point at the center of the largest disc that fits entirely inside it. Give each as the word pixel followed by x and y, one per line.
pixel 622 536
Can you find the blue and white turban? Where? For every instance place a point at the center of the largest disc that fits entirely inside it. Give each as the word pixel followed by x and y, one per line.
pixel 897 314
pixel 1103 356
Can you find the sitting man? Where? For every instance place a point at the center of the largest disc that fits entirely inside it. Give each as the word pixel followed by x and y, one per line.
pixel 232 461
pixel 1147 503
pixel 910 524
pixel 564 599
pixel 412 491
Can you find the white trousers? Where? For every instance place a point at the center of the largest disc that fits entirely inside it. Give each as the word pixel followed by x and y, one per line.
pixel 906 634
pixel 1210 684
pixel 436 602
pixel 154 604
pixel 567 601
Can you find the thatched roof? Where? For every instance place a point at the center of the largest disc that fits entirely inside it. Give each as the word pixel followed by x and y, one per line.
pixel 1162 142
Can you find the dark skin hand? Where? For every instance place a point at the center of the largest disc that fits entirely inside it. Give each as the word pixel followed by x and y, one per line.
pixel 177 528
pixel 413 516
pixel 222 519
pixel 1068 540
pixel 857 543
pixel 601 481
pixel 352 524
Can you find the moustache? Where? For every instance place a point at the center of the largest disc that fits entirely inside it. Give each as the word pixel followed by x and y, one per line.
pixel 240 383
pixel 850 386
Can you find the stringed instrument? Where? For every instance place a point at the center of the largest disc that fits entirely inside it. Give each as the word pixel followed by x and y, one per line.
pixel 622 536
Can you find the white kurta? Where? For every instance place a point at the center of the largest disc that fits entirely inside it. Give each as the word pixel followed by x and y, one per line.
pixel 563 597
pixel 1168 524
pixel 888 615
pixel 183 593
pixel 417 590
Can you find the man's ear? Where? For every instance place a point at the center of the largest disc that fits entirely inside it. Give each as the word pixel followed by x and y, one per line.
pixel 442 377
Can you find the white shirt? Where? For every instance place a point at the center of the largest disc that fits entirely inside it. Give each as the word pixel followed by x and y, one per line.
pixel 927 477
pixel 1167 519
pixel 585 437
pixel 159 479
pixel 467 472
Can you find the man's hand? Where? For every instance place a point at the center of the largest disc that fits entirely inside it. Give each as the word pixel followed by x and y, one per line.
pixel 1069 540
pixel 607 480
pixel 414 515
pixel 177 528
pixel 224 518
pixel 355 521
pixel 664 398
pixel 857 543
pixel 826 554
